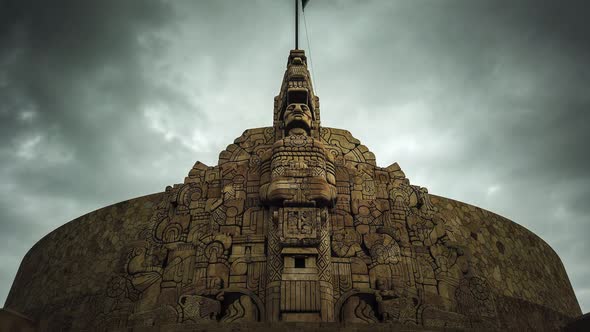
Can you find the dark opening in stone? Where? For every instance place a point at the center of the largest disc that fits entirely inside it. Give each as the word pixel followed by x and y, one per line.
pixel 299 262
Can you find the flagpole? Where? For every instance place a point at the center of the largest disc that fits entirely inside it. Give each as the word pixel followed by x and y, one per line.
pixel 296 24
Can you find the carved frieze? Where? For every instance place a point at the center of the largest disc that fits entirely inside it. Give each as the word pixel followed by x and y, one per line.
pixel 297 222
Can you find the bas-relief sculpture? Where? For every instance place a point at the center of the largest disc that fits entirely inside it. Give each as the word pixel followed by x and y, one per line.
pixel 296 223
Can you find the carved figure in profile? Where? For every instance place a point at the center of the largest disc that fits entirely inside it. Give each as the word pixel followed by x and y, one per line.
pixel 145 269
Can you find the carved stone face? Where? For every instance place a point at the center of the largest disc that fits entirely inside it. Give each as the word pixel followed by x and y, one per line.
pixel 297 116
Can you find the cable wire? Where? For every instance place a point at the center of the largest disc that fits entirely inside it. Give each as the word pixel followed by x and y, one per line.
pixel 310 59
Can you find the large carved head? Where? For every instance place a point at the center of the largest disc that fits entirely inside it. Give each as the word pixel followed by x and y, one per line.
pixel 297 116
pixel 297 113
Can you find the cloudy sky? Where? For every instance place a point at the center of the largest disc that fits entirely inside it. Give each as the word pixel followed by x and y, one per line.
pixel 487 102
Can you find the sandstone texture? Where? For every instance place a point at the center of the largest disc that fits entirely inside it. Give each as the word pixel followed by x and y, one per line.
pixel 296 228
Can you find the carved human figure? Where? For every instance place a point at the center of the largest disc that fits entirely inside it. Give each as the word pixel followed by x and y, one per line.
pixel 145 271
pixel 144 267
pixel 298 170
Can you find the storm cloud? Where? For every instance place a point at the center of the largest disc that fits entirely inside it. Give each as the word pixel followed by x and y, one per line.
pixel 486 102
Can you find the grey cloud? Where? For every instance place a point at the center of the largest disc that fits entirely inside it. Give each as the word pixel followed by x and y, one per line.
pixel 72 84
pixel 482 101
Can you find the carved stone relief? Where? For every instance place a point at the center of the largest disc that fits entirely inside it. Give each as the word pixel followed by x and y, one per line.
pixel 297 223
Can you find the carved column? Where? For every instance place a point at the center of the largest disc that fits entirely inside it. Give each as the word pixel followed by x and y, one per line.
pixel 274 270
pixel 324 264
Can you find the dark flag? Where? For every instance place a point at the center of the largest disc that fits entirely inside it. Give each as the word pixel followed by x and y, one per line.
pixel 303 4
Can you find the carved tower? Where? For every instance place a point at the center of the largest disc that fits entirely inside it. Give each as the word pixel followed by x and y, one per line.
pixel 298 187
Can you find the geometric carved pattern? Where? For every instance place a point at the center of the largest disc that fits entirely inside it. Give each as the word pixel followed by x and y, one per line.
pixel 303 295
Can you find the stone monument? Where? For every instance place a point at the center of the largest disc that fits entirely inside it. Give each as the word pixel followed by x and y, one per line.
pixel 296 223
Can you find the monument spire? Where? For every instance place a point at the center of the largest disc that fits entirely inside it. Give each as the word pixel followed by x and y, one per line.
pixel 296 88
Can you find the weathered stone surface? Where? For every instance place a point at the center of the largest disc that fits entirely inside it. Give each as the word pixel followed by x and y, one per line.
pixel 296 223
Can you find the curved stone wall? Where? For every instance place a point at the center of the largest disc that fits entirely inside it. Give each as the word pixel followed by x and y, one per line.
pixel 520 264
pixel 531 285
pixel 61 280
